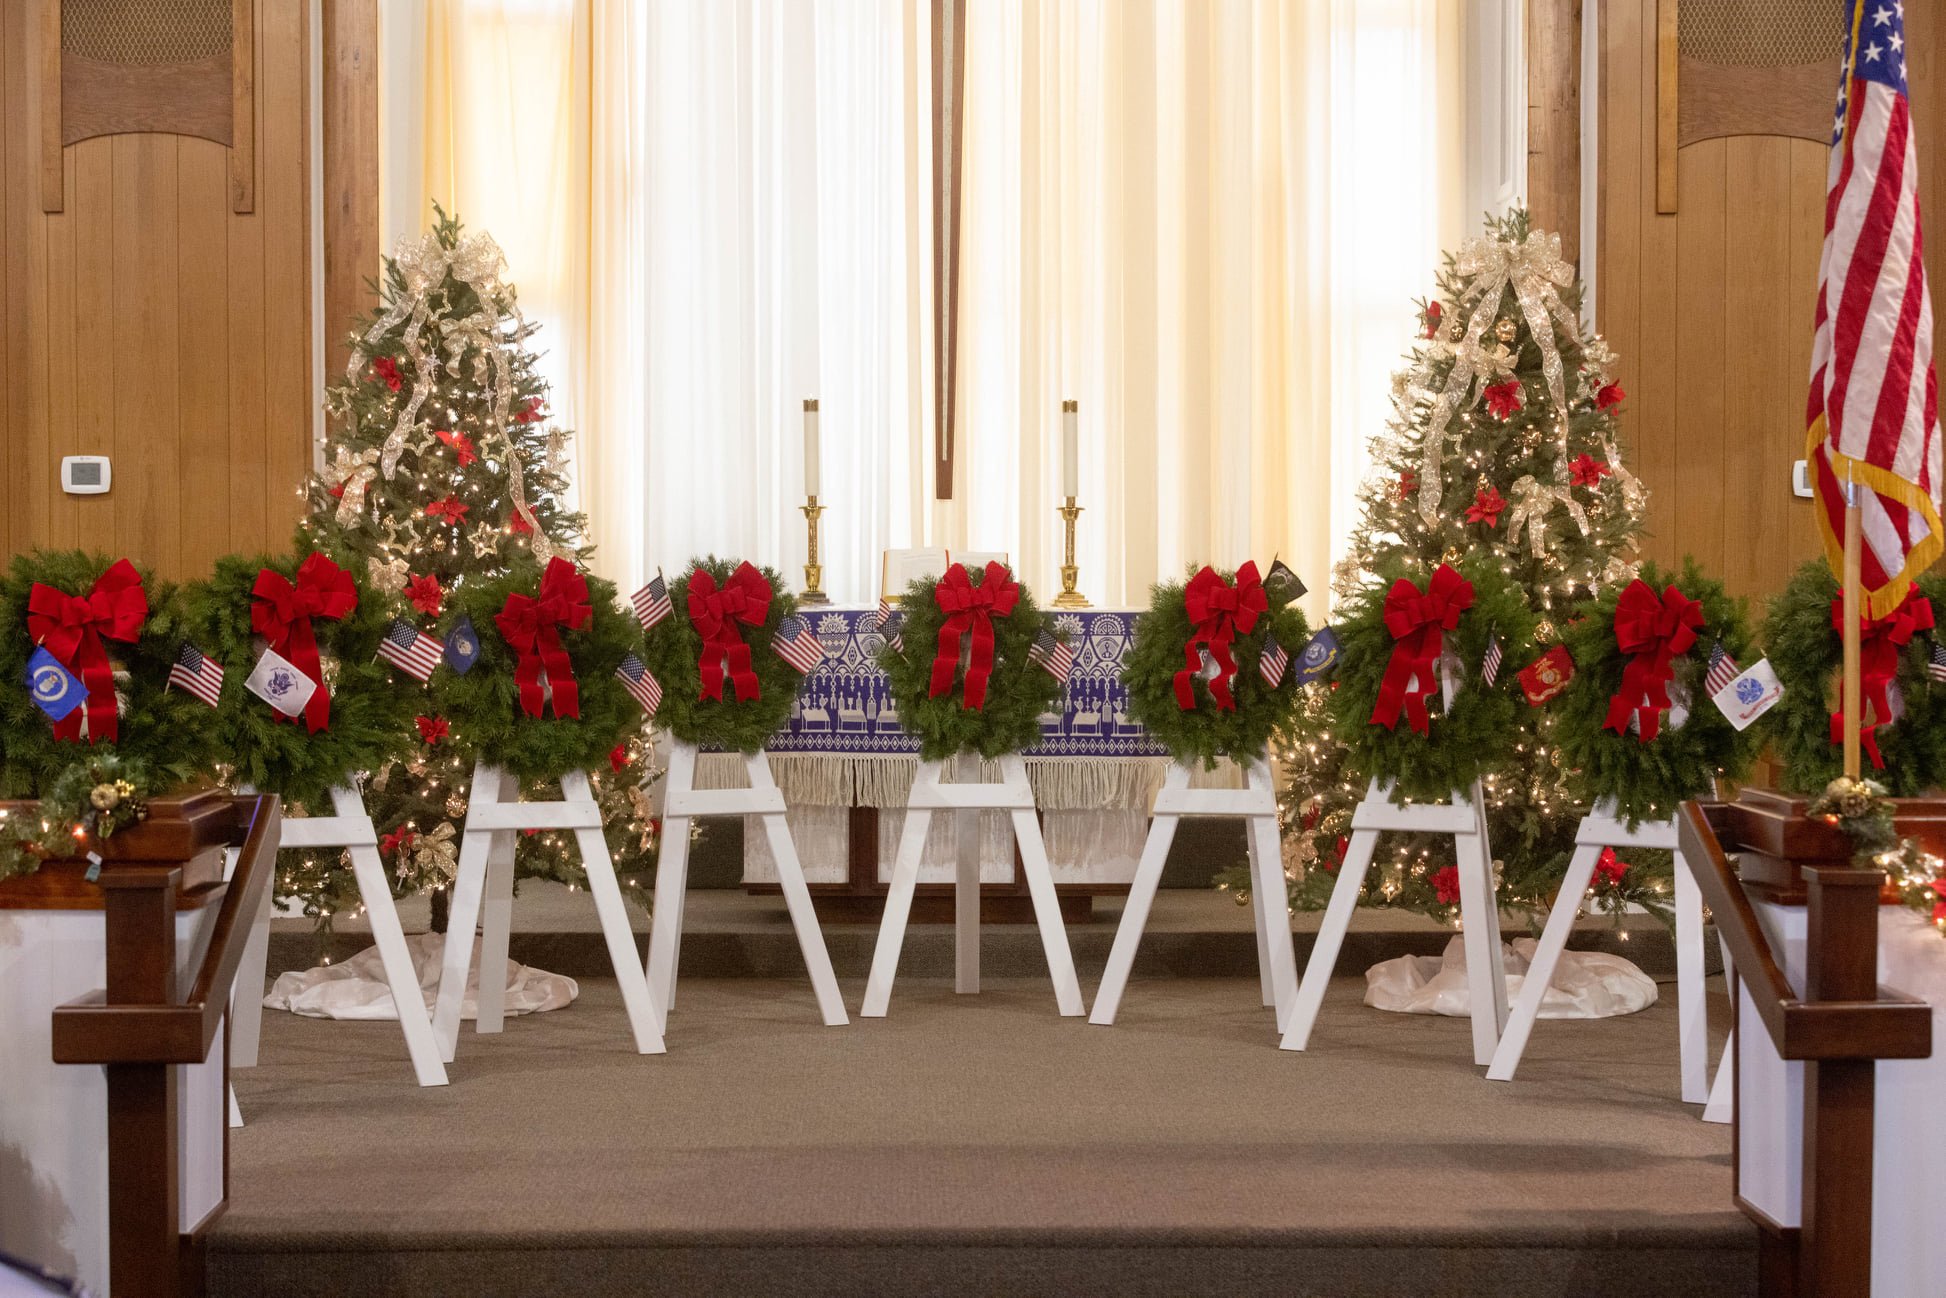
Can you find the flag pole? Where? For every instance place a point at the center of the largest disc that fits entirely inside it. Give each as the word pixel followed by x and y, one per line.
pixel 1849 698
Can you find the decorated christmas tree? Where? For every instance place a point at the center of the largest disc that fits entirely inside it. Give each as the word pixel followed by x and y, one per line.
pixel 1502 443
pixel 443 470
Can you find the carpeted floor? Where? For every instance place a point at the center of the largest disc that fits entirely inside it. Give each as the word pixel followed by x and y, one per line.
pixel 974 1145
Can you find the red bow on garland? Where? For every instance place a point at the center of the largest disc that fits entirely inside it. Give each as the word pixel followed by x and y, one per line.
pixel 1880 639
pixel 1418 621
pixel 1217 612
pixel 1655 630
pixel 281 612
pixel 71 627
pixel 532 627
pixel 714 613
pixel 970 611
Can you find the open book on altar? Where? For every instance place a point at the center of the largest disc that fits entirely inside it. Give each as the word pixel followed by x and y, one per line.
pixel 900 568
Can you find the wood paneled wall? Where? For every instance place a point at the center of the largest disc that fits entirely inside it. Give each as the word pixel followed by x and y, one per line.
pixel 148 322
pixel 1710 308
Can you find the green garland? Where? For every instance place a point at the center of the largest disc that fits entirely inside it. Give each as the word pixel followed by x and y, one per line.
pixel 1647 780
pixel 91 798
pixel 372 704
pixel 165 731
pixel 483 705
pixel 1466 742
pixel 1206 732
pixel 674 647
pixel 1018 692
pixel 1807 653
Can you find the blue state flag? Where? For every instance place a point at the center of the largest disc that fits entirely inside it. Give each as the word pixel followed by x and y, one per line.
pixel 1320 656
pixel 462 645
pixel 56 690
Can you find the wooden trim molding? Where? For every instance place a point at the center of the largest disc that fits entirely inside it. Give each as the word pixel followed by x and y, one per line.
pixel 52 177
pixel 1667 100
pixel 1554 119
pixel 243 105
pixel 351 239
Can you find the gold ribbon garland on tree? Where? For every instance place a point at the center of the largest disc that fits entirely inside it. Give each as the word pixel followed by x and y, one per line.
pixel 1531 502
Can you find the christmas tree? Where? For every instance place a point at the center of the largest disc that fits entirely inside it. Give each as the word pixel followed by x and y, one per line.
pixel 1502 439
pixel 443 468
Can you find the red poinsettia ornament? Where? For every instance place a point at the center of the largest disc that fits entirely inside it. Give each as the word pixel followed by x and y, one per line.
pixel 1446 885
pixel 1610 397
pixel 1488 504
pixel 1587 471
pixel 1504 399
pixel 1434 313
pixel 399 840
pixel 386 370
pixel 1609 869
pixel 462 445
pixel 432 729
pixel 425 594
pixel 452 509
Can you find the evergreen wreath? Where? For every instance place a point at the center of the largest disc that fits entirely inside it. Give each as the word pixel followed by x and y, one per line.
pixel 675 650
pixel 483 705
pixel 1467 740
pixel 1807 653
pixel 1207 731
pixel 1017 692
pixel 1647 779
pixel 372 704
pixel 165 731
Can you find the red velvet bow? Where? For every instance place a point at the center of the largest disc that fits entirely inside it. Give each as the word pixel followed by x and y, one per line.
pixel 532 627
pixel 1880 639
pixel 1418 621
pixel 1218 611
pixel 1655 630
pixel 71 627
pixel 281 612
pixel 970 611
pixel 714 613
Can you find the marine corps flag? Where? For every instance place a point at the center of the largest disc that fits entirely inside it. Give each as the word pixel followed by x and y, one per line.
pixel 1874 407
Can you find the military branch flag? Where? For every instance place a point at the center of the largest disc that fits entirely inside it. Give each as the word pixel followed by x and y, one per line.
pixel 1873 414
pixel 652 603
pixel 411 650
pixel 1052 655
pixel 797 644
pixel 640 682
pixel 1722 670
pixel 197 673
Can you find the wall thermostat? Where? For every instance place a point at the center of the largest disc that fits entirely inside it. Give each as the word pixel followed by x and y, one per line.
pixel 84 475
pixel 1801 478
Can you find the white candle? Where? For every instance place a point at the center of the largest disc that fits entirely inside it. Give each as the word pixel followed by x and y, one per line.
pixel 811 446
pixel 1070 449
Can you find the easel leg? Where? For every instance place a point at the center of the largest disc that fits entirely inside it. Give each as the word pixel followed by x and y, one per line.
pixel 469 888
pixel 898 907
pixel 1277 962
pixel 1331 936
pixel 1560 922
pixel 1723 1101
pixel 966 888
pixel 495 925
pixel 797 897
pixel 1135 918
pixel 247 994
pixel 671 881
pixel 1486 969
pixel 1692 1009
pixel 400 974
pixel 1266 991
pixel 1047 909
pixel 643 1021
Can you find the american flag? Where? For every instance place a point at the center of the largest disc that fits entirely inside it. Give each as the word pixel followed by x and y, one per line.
pixel 652 603
pixel 1490 660
pixel 411 650
pixel 197 673
pixel 1052 656
pixel 1873 413
pixel 1936 661
pixel 1722 670
pixel 797 644
pixel 1272 661
pixel 640 682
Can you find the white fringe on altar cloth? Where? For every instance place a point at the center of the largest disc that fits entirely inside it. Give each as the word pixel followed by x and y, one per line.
pixel 1586 985
pixel 885 779
pixel 357 988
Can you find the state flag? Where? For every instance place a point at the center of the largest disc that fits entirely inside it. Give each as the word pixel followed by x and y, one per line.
pixel 462 645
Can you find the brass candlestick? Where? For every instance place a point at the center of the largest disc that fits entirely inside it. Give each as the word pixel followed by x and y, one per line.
pixel 813 570
pixel 1069 596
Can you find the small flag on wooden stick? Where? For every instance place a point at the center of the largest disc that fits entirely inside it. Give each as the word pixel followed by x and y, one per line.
pixel 411 650
pixel 1272 661
pixel 1490 660
pixel 1722 670
pixel 640 682
pixel 797 644
pixel 1936 660
pixel 197 673
pixel 652 603
pixel 1052 655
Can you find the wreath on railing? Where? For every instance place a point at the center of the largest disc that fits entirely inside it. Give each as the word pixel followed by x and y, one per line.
pixel 321 617
pixel 961 671
pixel 724 685
pixel 107 625
pixel 542 697
pixel 86 803
pixel 1806 647
pixel 1398 637
pixel 1195 672
pixel 1637 724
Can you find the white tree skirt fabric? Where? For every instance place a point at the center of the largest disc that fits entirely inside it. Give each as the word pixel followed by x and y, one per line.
pixel 1586 984
pixel 357 988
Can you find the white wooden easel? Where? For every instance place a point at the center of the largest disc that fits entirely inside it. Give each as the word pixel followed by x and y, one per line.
pixel 682 802
pixel 1256 805
pixel 486 877
pixel 1601 828
pixel 1463 817
pixel 967 798
pixel 351 828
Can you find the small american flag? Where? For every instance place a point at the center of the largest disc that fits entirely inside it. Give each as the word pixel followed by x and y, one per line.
pixel 641 683
pixel 1490 660
pixel 197 673
pixel 652 603
pixel 797 644
pixel 411 650
pixel 1052 656
pixel 1936 661
pixel 1272 661
pixel 1722 670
